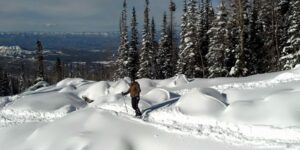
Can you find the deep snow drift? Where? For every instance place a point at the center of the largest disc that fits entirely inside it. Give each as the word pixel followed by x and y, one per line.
pixel 256 112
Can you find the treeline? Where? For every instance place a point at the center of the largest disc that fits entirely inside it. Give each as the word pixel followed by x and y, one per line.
pixel 239 38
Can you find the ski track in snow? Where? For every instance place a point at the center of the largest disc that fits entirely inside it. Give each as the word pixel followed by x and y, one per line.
pixel 257 84
pixel 12 117
pixel 235 134
pixel 174 121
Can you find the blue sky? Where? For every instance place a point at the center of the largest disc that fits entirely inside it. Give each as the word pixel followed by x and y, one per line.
pixel 73 15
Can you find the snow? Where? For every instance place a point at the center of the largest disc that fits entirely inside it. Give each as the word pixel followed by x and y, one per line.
pixel 38 85
pixel 256 112
pixel 198 103
pixel 13 51
pixel 47 102
pixel 156 96
pixel 96 129
pixel 178 80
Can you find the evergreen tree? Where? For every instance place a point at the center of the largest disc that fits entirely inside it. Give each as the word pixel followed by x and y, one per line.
pixel 164 61
pixel 181 64
pixel 206 18
pixel 258 59
pixel 191 53
pixel 273 18
pixel 153 35
pixel 155 49
pixel 22 79
pixel 39 58
pixel 172 36
pixel 122 60
pixel 12 84
pixel 208 15
pixel 291 51
pixel 133 58
pixel 218 44
pixel 283 12
pixel 202 36
pixel 58 68
pixel 240 18
pixel 146 69
pixel 4 83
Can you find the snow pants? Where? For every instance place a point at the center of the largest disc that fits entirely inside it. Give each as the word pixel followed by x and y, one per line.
pixel 135 105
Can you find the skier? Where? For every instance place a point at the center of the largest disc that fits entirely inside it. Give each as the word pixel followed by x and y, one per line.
pixel 134 91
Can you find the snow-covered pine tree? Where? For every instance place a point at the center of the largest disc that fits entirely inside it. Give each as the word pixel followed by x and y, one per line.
pixel 146 56
pixel 153 35
pixel 191 53
pixel 181 64
pixel 291 52
pixel 133 56
pixel 39 60
pixel 202 36
pixel 206 17
pixel 283 11
pixel 233 38
pixel 155 47
pixel 273 18
pixel 208 14
pixel 164 61
pixel 218 44
pixel 122 68
pixel 172 35
pixel 241 26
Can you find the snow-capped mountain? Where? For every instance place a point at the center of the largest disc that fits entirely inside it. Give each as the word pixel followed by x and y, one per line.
pixel 14 51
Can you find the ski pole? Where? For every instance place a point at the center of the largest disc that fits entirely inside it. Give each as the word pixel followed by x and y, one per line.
pixel 125 104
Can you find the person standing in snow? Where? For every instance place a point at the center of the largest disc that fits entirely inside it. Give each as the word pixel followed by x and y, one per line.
pixel 134 91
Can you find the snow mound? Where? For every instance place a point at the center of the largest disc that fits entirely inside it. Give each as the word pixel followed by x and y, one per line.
pixel 280 109
pixel 286 76
pixel 156 96
pixel 105 91
pixel 247 111
pixel 71 82
pixel 201 102
pixel 178 80
pixel 97 90
pixel 68 89
pixel 48 102
pixel 38 85
pixel 119 86
pixel 297 67
pixel 146 85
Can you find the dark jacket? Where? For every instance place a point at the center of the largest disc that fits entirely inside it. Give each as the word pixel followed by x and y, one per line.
pixel 134 89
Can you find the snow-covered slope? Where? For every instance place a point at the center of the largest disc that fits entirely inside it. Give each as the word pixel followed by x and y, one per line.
pixel 13 51
pixel 257 112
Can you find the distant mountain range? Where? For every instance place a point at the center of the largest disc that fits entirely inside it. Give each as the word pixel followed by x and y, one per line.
pixel 62 41
pixel 70 47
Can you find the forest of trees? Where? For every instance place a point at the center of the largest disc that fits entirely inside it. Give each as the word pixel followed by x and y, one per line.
pixel 238 38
